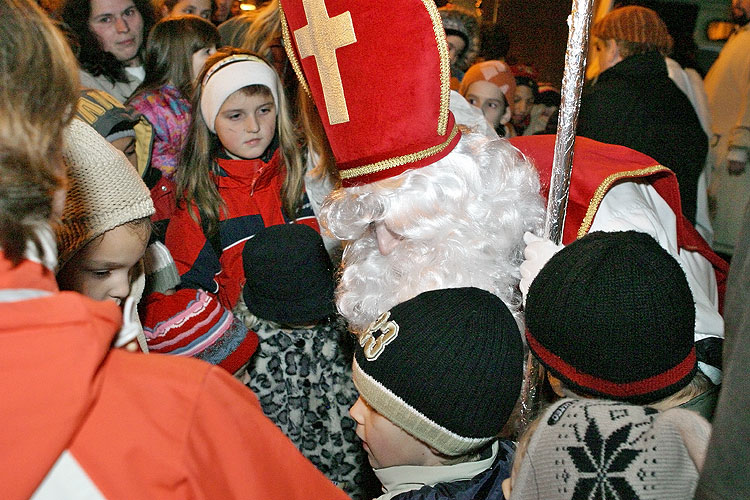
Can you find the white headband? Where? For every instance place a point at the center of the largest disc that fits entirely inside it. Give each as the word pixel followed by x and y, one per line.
pixel 238 71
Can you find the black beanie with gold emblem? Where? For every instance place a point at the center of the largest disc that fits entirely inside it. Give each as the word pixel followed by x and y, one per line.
pixel 445 366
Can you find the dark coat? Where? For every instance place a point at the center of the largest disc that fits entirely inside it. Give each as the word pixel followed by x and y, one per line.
pixel 486 485
pixel 636 104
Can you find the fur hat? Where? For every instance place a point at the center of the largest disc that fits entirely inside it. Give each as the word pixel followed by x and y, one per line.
pixel 445 366
pixel 460 21
pixel 496 72
pixel 289 275
pixel 113 120
pixel 612 315
pixel 603 449
pixel 634 24
pixel 104 190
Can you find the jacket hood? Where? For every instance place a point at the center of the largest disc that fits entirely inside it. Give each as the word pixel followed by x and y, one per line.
pixel 52 346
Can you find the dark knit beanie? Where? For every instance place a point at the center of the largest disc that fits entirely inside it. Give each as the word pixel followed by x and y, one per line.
pixel 445 366
pixel 612 315
pixel 634 24
pixel 289 275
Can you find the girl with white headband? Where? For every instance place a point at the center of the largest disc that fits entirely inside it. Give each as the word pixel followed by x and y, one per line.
pixel 240 171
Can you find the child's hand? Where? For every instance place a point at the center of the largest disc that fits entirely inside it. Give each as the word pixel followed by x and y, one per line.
pixel 536 254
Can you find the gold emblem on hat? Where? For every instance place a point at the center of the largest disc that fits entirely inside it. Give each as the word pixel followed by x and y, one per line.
pixel 374 347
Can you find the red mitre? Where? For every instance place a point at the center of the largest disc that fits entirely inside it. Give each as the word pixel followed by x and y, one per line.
pixel 380 78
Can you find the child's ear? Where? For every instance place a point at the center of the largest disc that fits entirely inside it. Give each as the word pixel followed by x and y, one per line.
pixel 556 385
pixel 611 52
pixel 506 116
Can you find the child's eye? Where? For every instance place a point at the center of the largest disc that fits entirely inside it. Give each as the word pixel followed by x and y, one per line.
pixel 100 273
pixel 234 116
pixel 129 12
pixel 472 101
pixel 493 105
pixel 189 10
pixel 105 19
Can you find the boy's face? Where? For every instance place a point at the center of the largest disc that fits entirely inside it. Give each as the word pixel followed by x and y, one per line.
pixel 522 103
pixel 103 269
pixel 490 99
pixel 456 46
pixel 387 444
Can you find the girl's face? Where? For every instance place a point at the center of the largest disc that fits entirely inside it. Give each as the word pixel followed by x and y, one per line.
pixel 490 99
pixel 200 8
pixel 246 124
pixel 199 58
pixel 118 26
pixel 103 269
pixel 522 103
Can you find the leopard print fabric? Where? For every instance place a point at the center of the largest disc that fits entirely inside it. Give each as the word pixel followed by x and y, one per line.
pixel 303 380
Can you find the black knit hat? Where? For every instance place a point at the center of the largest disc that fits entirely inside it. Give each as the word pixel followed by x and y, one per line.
pixel 612 315
pixel 445 366
pixel 289 275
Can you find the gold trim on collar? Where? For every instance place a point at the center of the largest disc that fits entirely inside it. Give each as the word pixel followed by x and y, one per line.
pixel 399 160
pixel 596 200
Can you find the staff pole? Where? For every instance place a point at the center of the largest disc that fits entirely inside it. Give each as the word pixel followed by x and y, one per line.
pixel 579 23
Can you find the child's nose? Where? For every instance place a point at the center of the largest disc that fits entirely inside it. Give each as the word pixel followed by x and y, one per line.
pixel 356 411
pixel 251 124
pixel 120 290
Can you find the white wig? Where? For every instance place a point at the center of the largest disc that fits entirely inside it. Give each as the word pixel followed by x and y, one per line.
pixel 461 221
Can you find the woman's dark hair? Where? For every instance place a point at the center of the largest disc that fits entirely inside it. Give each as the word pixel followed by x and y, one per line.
pixel 169 52
pixel 92 59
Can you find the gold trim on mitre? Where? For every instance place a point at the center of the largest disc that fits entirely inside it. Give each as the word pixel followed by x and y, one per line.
pixel 596 200
pixel 445 64
pixel 399 160
pixel 291 55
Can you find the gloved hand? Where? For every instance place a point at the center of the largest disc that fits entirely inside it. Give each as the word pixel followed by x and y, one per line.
pixel 537 252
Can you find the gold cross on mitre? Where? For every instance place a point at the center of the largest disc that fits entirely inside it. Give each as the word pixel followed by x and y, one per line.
pixel 320 39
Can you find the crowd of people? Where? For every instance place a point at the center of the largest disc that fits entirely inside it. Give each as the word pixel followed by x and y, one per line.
pixel 293 253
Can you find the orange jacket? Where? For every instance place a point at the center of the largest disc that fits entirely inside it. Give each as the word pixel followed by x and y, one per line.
pixel 132 425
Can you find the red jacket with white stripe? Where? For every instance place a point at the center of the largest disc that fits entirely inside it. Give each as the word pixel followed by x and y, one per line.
pixel 251 191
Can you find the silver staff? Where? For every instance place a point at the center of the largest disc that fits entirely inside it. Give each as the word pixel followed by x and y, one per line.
pixel 579 22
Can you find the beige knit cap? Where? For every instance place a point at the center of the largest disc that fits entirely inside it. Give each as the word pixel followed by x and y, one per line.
pixel 104 190
pixel 634 24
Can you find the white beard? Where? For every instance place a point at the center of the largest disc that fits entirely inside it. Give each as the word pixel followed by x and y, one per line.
pixel 461 221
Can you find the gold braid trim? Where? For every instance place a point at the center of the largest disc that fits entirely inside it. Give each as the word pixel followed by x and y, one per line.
pixel 291 54
pixel 445 65
pixel 596 200
pixel 398 161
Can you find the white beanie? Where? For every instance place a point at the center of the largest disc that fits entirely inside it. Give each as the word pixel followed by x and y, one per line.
pixel 104 190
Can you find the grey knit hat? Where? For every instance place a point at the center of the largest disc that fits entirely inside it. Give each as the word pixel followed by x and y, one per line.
pixel 445 366
pixel 104 190
pixel 603 449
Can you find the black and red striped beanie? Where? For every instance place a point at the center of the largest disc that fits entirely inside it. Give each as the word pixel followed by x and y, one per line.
pixel 612 316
